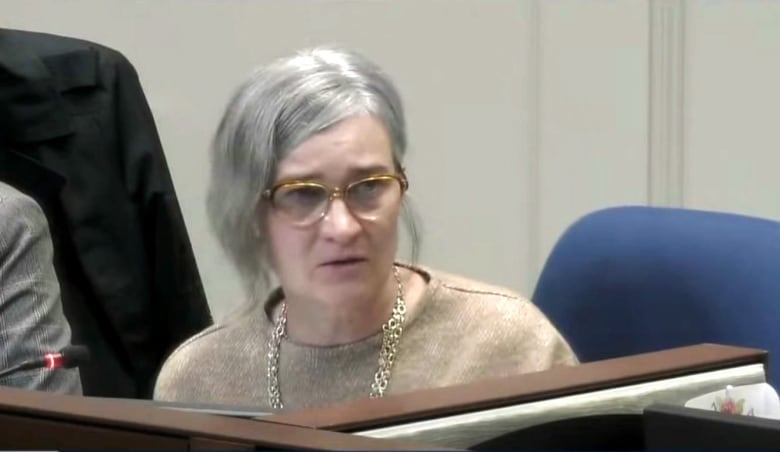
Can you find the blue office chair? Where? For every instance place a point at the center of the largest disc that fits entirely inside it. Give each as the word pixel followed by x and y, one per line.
pixel 629 280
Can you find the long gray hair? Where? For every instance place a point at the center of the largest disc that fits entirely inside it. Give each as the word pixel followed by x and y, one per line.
pixel 276 109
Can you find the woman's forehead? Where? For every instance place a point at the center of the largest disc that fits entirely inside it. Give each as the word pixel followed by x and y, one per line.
pixel 357 145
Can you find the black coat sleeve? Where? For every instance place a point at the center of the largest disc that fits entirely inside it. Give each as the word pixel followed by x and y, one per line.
pixel 178 306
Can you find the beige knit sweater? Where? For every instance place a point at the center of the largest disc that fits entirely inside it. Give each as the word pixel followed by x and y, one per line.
pixel 464 331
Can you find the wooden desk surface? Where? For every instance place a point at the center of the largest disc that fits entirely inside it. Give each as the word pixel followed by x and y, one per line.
pixel 40 420
pixel 426 404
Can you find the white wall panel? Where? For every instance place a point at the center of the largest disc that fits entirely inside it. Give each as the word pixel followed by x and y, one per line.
pixel 732 112
pixel 593 113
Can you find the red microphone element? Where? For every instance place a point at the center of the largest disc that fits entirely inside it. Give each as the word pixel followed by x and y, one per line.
pixel 69 357
pixel 53 360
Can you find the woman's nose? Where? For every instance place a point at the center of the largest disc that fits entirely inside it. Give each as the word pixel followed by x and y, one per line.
pixel 339 222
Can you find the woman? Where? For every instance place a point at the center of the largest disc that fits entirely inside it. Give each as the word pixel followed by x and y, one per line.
pixel 32 322
pixel 307 185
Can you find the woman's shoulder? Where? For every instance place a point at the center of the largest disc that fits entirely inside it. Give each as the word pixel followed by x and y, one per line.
pixel 471 300
pixel 222 343
pixel 512 319
pixel 451 286
pixel 217 339
pixel 209 338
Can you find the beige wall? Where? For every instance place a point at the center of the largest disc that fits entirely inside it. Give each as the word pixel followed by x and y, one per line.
pixel 732 106
pixel 523 114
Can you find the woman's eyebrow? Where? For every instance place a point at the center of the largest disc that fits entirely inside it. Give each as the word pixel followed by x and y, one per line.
pixel 370 170
pixel 311 176
pixel 352 173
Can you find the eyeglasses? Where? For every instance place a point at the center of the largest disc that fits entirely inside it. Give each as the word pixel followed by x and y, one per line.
pixel 304 202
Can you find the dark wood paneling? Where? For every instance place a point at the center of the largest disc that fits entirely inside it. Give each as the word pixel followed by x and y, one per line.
pixel 29 433
pixel 213 444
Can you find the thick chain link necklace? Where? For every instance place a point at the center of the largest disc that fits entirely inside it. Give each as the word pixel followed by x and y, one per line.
pixel 391 337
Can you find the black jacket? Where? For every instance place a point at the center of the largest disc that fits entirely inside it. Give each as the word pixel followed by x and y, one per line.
pixel 76 133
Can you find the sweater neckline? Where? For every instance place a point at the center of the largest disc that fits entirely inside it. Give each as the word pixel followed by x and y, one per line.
pixel 432 285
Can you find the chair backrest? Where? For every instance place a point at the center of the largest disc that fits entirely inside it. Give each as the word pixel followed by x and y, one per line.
pixel 628 280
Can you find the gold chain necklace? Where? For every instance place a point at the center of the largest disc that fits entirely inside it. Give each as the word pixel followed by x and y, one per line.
pixel 391 337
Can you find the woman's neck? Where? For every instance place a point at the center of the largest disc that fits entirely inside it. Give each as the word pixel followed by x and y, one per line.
pixel 314 323
pixel 325 324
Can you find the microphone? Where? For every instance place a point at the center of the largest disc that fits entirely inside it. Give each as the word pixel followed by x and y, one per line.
pixel 67 358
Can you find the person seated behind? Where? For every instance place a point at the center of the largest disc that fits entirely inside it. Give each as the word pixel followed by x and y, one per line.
pixel 307 184
pixel 32 322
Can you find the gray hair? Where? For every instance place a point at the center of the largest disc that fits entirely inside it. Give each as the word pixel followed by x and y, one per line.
pixel 277 108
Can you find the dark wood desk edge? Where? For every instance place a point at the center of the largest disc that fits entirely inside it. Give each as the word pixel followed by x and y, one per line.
pixel 420 405
pixel 130 417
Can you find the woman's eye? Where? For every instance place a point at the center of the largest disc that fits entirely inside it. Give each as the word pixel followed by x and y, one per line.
pixel 306 194
pixel 300 196
pixel 367 187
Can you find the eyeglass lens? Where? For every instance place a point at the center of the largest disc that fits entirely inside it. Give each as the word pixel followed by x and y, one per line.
pixel 306 202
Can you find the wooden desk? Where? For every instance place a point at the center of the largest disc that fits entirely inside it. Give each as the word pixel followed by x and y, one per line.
pixel 39 420
pixel 453 416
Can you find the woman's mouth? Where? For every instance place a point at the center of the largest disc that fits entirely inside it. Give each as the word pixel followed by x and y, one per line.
pixel 346 261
